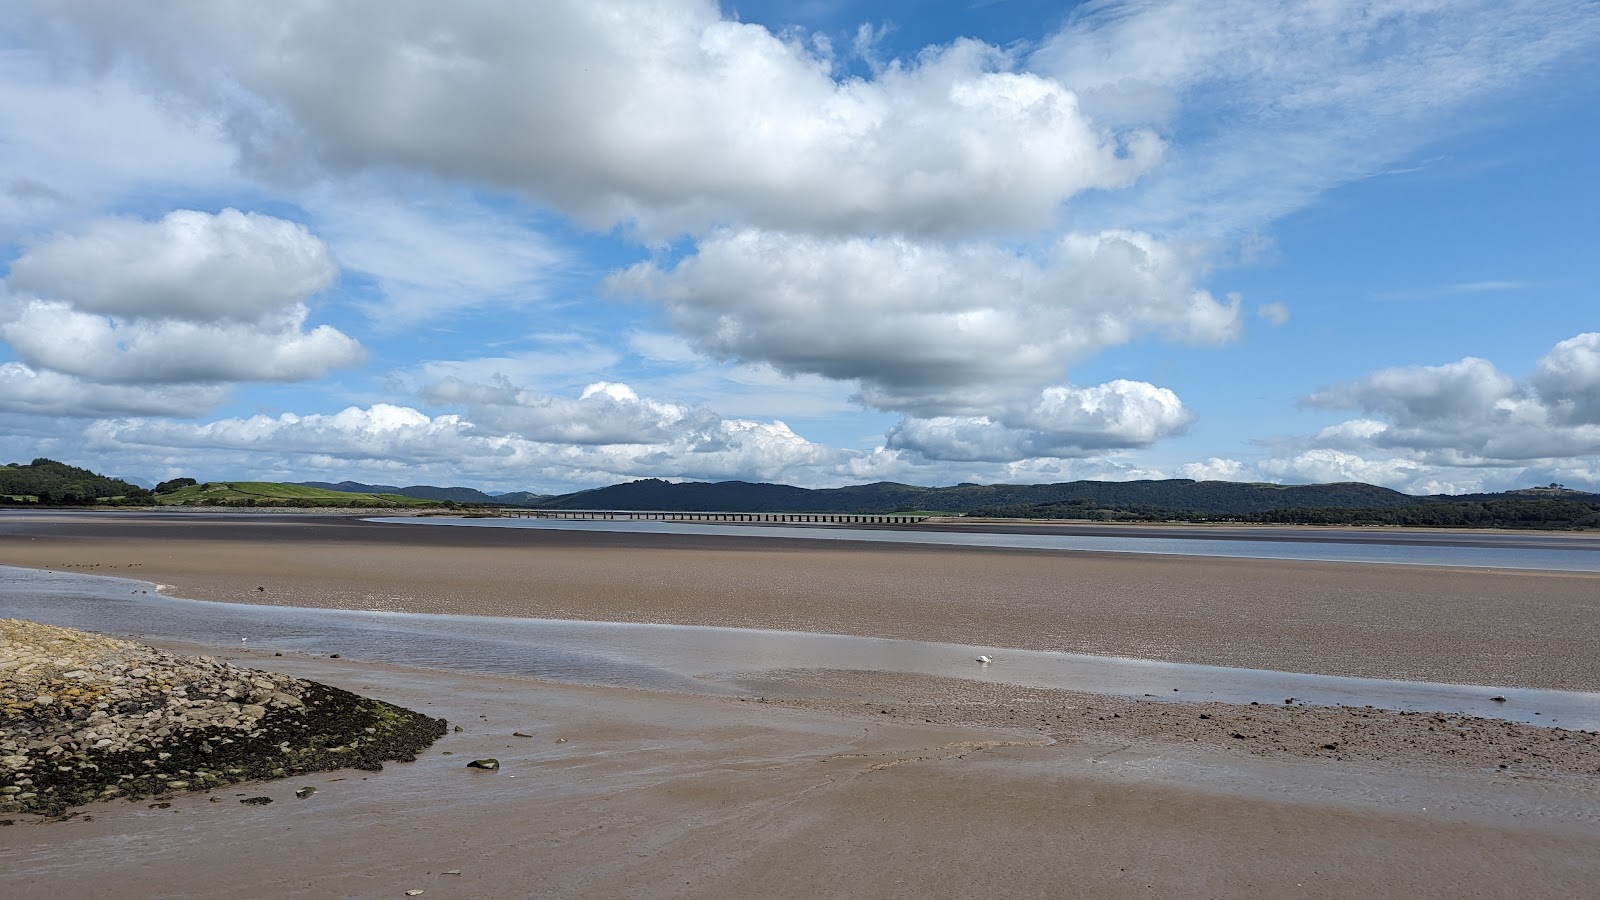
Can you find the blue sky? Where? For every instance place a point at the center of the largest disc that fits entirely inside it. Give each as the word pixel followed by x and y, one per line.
pixel 551 246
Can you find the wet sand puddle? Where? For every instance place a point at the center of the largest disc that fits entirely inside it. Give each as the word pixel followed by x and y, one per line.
pixel 712 660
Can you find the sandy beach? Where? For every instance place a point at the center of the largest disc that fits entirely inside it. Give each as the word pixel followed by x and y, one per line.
pixel 859 784
pixel 625 793
pixel 1519 629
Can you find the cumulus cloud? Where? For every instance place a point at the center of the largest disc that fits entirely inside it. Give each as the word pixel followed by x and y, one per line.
pixel 189 265
pixel 1324 465
pixel 1216 469
pixel 518 439
pixel 44 393
pixel 1426 395
pixel 1469 413
pixel 54 336
pixel 930 329
pixel 1568 380
pixel 946 235
pixel 1062 421
pixel 710 448
pixel 604 413
pixel 668 115
pixel 192 299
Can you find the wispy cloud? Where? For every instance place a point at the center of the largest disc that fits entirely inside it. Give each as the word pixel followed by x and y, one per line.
pixel 1459 289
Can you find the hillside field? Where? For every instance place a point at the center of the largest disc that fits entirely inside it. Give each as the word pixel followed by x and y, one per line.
pixel 273 493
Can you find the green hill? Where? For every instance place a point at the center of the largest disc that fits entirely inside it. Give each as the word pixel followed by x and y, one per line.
pixel 419 491
pixel 273 493
pixel 49 483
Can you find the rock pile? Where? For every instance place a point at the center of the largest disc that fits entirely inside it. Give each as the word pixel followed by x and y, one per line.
pixel 86 717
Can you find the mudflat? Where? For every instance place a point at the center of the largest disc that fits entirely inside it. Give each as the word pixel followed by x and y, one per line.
pixel 1519 629
pixel 620 793
pixel 864 784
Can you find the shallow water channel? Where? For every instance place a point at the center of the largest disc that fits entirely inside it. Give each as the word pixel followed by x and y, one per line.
pixel 1474 551
pixel 709 660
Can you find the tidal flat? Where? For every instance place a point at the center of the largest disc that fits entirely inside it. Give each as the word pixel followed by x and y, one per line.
pixel 867 783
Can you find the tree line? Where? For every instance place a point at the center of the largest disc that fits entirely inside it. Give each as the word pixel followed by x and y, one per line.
pixel 46 482
pixel 1542 513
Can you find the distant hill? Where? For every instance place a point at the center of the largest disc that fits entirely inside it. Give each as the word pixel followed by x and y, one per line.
pixel 991 499
pixel 273 493
pixel 1552 492
pixel 520 498
pixel 46 482
pixel 420 491
pixel 1119 501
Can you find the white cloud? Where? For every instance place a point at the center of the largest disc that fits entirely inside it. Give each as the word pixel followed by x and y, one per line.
pixel 658 347
pixel 560 364
pixel 1461 426
pixel 604 413
pixel 190 265
pixel 194 298
pixel 1216 469
pixel 1322 466
pixel 44 393
pixel 51 335
pixel 1426 396
pixel 1062 421
pixel 930 329
pixel 1272 102
pixel 668 115
pixel 709 448
pixel 1568 380
pixel 75 143
pixel 435 256
pixel 1274 313
pixel 498 434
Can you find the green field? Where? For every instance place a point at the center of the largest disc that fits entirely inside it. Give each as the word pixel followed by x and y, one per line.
pixel 272 493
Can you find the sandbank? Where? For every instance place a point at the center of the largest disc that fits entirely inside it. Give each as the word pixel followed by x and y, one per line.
pixel 864 784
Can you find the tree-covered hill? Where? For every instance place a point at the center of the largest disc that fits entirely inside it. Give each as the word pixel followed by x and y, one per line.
pixel 1491 511
pixel 46 482
pixel 419 491
pixel 1173 494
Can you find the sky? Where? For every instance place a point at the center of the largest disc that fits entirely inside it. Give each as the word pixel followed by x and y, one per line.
pixel 550 246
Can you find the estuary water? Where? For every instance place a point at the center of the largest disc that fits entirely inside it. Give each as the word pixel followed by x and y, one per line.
pixel 709 660
pixel 1539 552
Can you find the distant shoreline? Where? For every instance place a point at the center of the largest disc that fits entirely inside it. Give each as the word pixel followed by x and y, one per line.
pixel 1090 525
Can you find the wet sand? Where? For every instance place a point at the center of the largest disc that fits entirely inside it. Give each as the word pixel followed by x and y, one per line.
pixel 624 793
pixel 1409 739
pixel 865 784
pixel 1517 629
